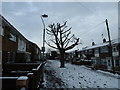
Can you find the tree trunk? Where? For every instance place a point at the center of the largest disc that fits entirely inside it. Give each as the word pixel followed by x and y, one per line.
pixel 62 54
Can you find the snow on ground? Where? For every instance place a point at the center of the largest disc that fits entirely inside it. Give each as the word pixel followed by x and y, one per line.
pixel 75 76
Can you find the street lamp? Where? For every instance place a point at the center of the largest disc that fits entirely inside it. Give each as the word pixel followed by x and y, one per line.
pixel 43 48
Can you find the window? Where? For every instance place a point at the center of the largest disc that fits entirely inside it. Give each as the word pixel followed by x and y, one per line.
pixel 109 63
pixel 11 57
pixel 37 51
pixel 96 50
pixel 97 60
pixel 104 49
pixel 90 51
pixel 82 52
pixel 21 45
pixel 86 52
pixel 104 62
pixel 1 30
pixel 117 62
pixel 114 48
pixel 94 62
pixel 20 42
pixel 12 37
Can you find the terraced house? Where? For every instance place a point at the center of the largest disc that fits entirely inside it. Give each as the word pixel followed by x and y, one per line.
pixel 19 58
pixel 15 47
pixel 99 54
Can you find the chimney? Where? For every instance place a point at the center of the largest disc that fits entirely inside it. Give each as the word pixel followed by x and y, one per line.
pixel 93 43
pixel 104 40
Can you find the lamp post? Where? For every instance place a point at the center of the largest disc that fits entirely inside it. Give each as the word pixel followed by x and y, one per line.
pixel 43 48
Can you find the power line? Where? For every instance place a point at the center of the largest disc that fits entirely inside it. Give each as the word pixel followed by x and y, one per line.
pixel 90 10
pixel 92 29
pixel 95 28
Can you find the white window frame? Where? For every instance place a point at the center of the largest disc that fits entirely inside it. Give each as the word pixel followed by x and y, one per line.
pixel 96 51
pixel 109 62
pixel 12 37
pixel 37 51
pixel 114 48
pixel 21 45
pixel 1 31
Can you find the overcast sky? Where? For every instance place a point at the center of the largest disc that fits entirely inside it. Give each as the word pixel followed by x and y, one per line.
pixel 87 19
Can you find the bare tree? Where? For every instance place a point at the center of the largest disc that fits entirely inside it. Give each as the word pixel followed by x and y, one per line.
pixel 62 39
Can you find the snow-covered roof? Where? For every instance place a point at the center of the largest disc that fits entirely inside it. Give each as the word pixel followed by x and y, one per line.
pixel 115 41
pixel 8 77
pixel 23 78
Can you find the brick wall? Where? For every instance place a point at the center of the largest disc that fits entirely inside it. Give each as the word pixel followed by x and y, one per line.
pixel 9 45
pixel 0 42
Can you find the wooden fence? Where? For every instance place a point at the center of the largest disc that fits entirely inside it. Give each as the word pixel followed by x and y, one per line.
pixel 28 79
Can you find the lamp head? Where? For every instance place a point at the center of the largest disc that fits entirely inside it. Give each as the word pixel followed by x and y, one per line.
pixel 44 16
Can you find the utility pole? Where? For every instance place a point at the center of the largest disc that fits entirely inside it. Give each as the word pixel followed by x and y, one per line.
pixel 110 46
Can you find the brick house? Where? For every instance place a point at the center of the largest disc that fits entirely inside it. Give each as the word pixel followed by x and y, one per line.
pixel 86 53
pixel 116 55
pixel 35 52
pixel 17 55
pixel 15 47
pixel 100 54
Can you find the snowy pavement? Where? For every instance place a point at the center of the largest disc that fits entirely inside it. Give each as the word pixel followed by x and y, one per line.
pixel 75 76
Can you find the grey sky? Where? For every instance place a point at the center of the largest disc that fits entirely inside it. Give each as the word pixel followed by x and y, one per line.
pixel 85 18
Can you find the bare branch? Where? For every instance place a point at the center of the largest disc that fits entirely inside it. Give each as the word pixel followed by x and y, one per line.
pixel 67 43
pixel 56 39
pixel 51 45
pixel 53 41
pixel 48 30
pixel 73 45
pixel 67 30
pixel 61 36
pixel 64 28
pixel 63 24
pixel 49 33
pixel 66 37
pixel 62 39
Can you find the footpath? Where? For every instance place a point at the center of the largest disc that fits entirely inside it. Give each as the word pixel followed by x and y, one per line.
pixel 75 76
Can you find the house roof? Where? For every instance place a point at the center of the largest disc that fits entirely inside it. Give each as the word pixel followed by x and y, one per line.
pixel 14 30
pixel 115 41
